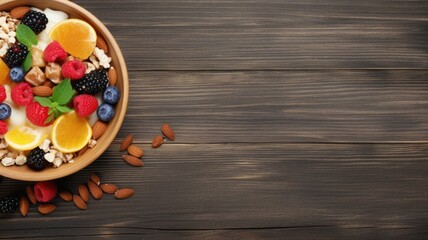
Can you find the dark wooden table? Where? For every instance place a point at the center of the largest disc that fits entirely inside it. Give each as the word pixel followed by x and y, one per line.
pixel 294 119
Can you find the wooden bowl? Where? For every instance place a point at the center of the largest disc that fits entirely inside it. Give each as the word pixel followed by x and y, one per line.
pixel 74 11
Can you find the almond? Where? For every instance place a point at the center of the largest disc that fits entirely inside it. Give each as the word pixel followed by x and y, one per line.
pixel 108 188
pixel 19 12
pixel 157 141
pixel 131 160
pixel 126 142
pixel 42 91
pixel 112 76
pixel 30 194
pixel 96 191
pixel 124 193
pixel 95 179
pixel 168 132
pixel 82 151
pixel 79 203
pixel 84 192
pixel 101 43
pixel 98 129
pixel 49 84
pixel 46 208
pixel 135 151
pixel 66 196
pixel 24 205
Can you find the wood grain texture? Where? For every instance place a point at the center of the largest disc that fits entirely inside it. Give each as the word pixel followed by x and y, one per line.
pixel 294 120
pixel 281 106
pixel 237 190
pixel 254 34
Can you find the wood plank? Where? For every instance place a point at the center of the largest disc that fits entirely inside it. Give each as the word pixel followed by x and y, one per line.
pixel 236 190
pixel 280 106
pixel 254 34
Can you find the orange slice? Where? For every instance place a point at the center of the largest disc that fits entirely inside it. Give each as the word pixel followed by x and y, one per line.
pixel 70 133
pixel 24 138
pixel 77 37
pixel 4 73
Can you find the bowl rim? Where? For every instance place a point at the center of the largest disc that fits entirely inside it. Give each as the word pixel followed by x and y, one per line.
pixel 72 168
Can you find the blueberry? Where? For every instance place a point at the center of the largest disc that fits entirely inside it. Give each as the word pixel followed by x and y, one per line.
pixel 5 111
pixel 105 112
pixel 16 74
pixel 111 95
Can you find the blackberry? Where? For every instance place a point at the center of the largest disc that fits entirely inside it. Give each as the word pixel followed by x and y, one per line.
pixel 36 159
pixel 35 20
pixel 15 55
pixel 91 83
pixel 8 205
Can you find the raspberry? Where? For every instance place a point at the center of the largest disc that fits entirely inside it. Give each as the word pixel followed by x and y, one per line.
pixel 16 55
pixel 35 20
pixel 85 105
pixel 2 93
pixel 22 94
pixel 37 114
pixel 54 52
pixel 74 69
pixel 3 127
pixel 45 191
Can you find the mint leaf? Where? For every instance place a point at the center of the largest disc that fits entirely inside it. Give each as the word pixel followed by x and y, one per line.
pixel 64 109
pixel 26 36
pixel 26 65
pixel 63 93
pixel 44 101
pixel 50 118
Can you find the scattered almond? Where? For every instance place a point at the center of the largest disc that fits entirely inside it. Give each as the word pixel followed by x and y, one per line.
pixel 168 132
pixel 101 43
pixel 108 188
pixel 46 208
pixel 84 192
pixel 124 193
pixel 66 196
pixel 24 205
pixel 95 190
pixel 79 203
pixel 42 91
pixel 157 141
pixel 112 76
pixel 19 12
pixel 30 194
pixel 126 142
pixel 131 160
pixel 95 179
pixel 135 151
pixel 98 129
pixel 82 151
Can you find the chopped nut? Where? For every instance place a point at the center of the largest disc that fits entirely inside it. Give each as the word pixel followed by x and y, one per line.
pixel 12 154
pixel 103 59
pixel 35 76
pixel 92 143
pixel 45 145
pixel 53 72
pixel 57 162
pixel 3 144
pixel 3 153
pixel 50 156
pixel 69 156
pixel 20 160
pixel 89 67
pixel 8 161
pixel 37 56
pixel 94 61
